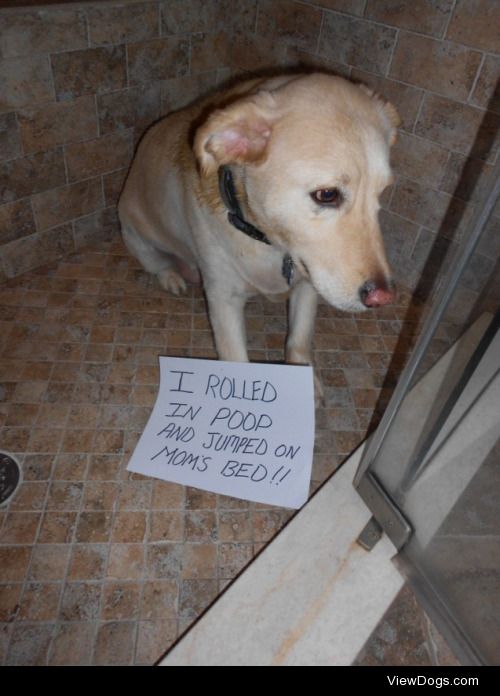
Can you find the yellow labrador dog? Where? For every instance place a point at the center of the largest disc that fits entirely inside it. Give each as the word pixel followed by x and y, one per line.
pixel 272 188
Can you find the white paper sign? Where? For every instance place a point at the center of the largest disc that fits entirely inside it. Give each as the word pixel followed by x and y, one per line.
pixel 242 429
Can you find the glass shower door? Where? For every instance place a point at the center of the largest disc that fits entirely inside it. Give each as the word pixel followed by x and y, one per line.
pixel 431 472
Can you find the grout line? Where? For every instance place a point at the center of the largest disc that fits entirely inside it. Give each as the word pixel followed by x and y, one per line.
pixel 476 80
pixel 320 34
pixel 393 51
pixel 256 22
pixel 419 113
pixel 448 21
pixel 160 16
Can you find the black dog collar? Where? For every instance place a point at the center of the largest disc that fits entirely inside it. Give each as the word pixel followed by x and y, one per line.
pixel 235 216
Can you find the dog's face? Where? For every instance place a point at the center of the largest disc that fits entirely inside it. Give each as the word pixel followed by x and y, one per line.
pixel 316 159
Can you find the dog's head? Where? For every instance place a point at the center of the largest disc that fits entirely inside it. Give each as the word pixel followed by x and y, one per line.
pixel 315 153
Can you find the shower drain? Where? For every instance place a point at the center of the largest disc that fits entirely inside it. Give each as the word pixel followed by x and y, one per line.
pixel 10 475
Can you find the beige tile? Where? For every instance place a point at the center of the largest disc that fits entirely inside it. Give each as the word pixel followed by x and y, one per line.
pixel 475 24
pixel 32 174
pixel 32 31
pixel 89 71
pixel 419 159
pixel 14 562
pixel 137 107
pixel 181 91
pixel 405 98
pixel 235 527
pixel 290 22
pixel 126 562
pixel 266 523
pixel 201 526
pixel 10 139
pixel 57 528
pixel 357 42
pixel 355 7
pixel 78 441
pixel 449 123
pixel 49 562
pixel 22 414
pixel 29 496
pixel 157 59
pixel 104 467
pixel 168 495
pixel 37 467
pixel 98 156
pixel 195 16
pixel 164 560
pixel 113 184
pixel 44 127
pixel 68 202
pixel 233 558
pixel 210 52
pixel 120 600
pixel 101 225
pixel 484 94
pixel 466 178
pixel 166 526
pixel 70 466
pixel 20 528
pixel 29 644
pixel 424 16
pixel 440 66
pixel 123 24
pixel 159 600
pixel 129 527
pixel 80 601
pixel 115 643
pixel 153 638
pixel 195 596
pixel 199 561
pixel 94 527
pixel 100 495
pixel 25 254
pixel 135 495
pixel 72 644
pixel 40 602
pixel 26 80
pixel 248 53
pixel 200 500
pixel 16 221
pixel 421 204
pixel 88 562
pixel 10 595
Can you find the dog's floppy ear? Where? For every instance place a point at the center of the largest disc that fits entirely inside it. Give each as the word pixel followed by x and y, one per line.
pixel 238 133
pixel 391 118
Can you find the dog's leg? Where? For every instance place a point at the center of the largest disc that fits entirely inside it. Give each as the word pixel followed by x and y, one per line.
pixel 154 261
pixel 301 317
pixel 228 324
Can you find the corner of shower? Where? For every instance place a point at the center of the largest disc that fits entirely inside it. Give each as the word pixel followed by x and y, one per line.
pixel 430 473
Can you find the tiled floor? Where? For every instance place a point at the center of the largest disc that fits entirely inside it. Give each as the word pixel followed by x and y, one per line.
pixel 406 636
pixel 99 566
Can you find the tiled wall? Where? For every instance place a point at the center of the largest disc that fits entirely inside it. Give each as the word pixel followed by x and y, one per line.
pixel 81 82
pixel 78 86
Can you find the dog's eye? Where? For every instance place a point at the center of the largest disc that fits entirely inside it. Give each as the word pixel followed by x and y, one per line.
pixel 332 197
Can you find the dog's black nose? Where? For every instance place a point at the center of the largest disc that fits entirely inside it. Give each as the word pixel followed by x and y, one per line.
pixel 376 294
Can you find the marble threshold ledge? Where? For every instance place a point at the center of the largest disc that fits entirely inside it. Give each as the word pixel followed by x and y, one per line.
pixel 311 598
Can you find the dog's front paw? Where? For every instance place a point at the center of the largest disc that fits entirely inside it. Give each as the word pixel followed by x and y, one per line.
pixel 171 281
